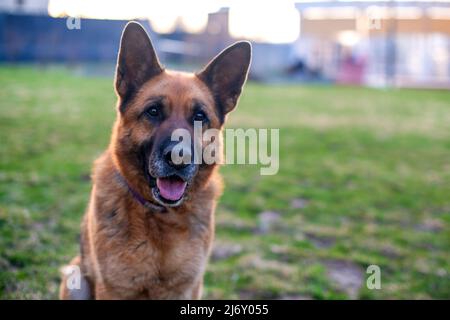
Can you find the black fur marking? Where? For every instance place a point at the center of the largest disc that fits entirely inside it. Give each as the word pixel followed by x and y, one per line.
pixel 139 245
pixel 111 215
pixel 125 101
pixel 143 156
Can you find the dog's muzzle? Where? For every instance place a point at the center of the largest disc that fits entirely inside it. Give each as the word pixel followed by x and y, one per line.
pixel 173 169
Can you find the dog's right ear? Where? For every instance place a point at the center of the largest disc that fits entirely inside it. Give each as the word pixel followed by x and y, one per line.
pixel 137 61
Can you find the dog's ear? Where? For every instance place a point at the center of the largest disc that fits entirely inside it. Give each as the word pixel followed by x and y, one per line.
pixel 226 74
pixel 137 61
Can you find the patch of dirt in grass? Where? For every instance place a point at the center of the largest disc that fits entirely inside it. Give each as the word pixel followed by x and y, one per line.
pixel 227 220
pixel 347 276
pixel 299 203
pixel 223 250
pixel 390 252
pixel 259 263
pixel 320 241
pixel 430 225
pixel 268 221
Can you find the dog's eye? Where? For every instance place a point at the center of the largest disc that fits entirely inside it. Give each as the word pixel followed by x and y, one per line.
pixel 153 112
pixel 200 116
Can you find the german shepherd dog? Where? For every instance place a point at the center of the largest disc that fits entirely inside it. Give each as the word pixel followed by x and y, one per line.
pixel 149 225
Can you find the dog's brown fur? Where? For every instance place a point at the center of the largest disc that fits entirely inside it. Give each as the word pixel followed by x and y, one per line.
pixel 128 251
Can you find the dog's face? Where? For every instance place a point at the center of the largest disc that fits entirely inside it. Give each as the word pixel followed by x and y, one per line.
pixel 153 102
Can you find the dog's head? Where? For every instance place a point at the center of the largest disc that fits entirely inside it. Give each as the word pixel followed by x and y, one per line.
pixel 153 102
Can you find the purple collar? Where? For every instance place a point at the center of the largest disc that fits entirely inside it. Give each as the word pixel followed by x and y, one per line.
pixel 136 195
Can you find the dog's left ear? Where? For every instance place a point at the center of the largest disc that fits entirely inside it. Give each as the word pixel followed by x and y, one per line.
pixel 226 74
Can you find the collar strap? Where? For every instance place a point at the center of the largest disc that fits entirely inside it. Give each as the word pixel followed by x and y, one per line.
pixel 137 196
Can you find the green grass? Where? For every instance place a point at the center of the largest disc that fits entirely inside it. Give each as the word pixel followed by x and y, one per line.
pixel 371 168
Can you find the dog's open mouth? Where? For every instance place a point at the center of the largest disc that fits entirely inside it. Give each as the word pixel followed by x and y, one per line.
pixel 169 191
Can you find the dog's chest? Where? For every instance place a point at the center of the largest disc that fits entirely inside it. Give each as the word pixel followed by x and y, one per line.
pixel 161 270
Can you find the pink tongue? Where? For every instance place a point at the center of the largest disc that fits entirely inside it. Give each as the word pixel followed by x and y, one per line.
pixel 171 189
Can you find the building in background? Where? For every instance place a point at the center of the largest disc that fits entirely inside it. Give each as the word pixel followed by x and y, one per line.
pixel 405 43
pixel 37 7
pixel 194 49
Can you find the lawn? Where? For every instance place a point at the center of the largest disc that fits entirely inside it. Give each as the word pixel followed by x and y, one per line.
pixel 364 179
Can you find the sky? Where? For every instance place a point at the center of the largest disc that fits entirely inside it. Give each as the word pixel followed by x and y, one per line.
pixel 275 21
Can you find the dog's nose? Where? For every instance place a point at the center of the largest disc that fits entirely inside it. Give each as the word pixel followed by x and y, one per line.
pixel 177 159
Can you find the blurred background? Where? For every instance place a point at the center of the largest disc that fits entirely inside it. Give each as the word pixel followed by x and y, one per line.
pixel 358 89
pixel 374 43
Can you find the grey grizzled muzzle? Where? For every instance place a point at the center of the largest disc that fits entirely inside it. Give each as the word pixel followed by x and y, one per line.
pixel 171 164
